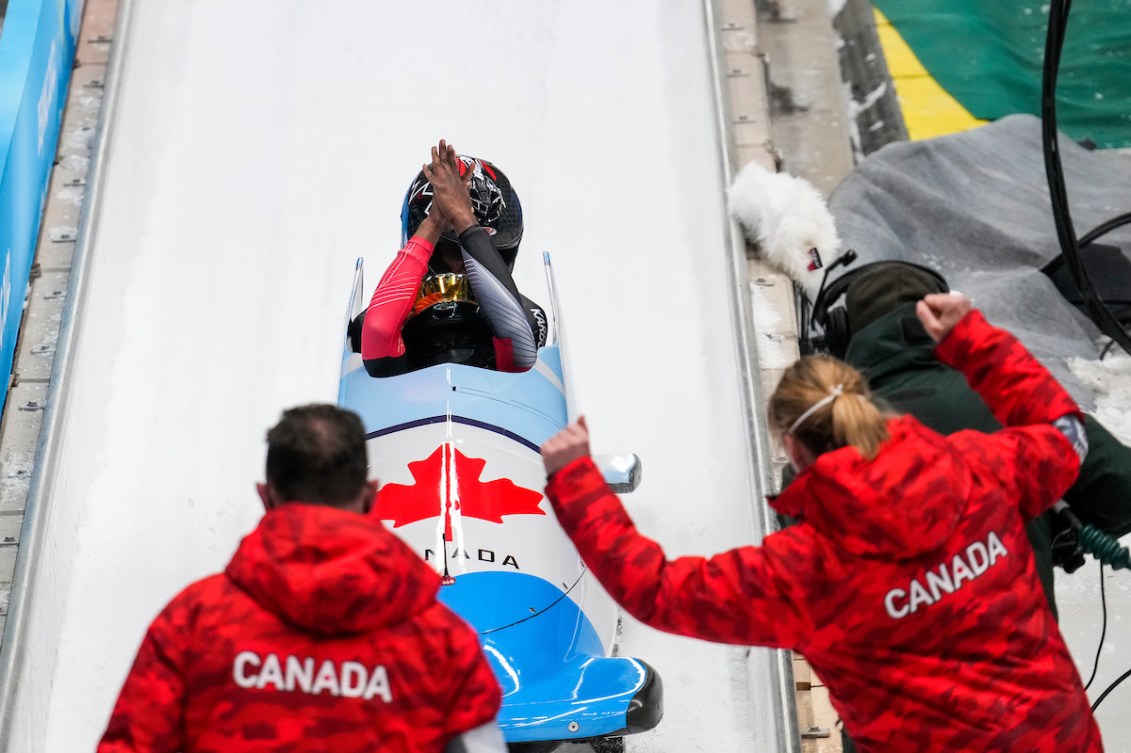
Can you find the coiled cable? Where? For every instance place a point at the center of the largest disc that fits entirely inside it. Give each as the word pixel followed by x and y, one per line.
pixel 1103 546
pixel 1108 551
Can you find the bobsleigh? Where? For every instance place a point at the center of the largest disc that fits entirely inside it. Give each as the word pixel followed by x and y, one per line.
pixel 456 449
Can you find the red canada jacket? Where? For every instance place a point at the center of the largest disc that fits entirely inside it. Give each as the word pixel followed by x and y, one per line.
pixel 909 585
pixel 323 633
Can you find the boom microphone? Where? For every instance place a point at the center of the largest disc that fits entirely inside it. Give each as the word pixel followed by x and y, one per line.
pixel 806 344
pixel 843 260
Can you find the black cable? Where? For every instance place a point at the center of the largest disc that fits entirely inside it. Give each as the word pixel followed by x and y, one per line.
pixel 1119 680
pixel 1104 352
pixel 1069 247
pixel 804 307
pixel 1103 632
pixel 1107 550
pixel 816 311
pixel 1091 540
pixel 1105 228
pixel 1066 234
pixel 1110 688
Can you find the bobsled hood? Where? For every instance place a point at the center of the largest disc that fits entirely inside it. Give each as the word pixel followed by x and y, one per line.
pixel 902 504
pixel 331 571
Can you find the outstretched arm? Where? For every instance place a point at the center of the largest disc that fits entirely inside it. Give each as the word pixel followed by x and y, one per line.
pixel 744 596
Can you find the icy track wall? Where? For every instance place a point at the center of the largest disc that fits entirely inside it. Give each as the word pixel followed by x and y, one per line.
pixel 252 151
pixel 36 52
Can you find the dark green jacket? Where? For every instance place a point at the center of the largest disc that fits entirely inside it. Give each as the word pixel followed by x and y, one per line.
pixel 897 356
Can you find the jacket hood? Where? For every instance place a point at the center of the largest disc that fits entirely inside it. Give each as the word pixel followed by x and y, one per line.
pixel 331 571
pixel 893 344
pixel 902 504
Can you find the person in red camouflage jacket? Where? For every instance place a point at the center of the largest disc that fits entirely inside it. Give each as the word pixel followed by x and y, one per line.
pixel 322 634
pixel 926 621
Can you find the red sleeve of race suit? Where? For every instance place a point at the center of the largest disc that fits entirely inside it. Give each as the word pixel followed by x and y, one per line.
pixel 148 715
pixel 744 596
pixel 1041 462
pixel 392 301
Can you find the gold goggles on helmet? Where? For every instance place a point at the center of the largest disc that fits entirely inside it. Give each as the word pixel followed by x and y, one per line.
pixel 442 286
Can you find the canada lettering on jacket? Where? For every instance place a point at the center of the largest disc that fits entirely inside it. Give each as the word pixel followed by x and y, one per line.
pixel 945 578
pixel 350 679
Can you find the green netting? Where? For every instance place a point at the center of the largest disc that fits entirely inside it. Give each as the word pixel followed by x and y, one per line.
pixel 988 55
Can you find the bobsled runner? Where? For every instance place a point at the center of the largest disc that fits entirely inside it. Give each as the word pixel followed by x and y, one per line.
pixel 456 449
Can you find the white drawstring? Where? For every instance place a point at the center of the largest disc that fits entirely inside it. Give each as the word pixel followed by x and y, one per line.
pixel 834 393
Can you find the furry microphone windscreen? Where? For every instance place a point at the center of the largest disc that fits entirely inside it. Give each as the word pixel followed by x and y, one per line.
pixel 789 222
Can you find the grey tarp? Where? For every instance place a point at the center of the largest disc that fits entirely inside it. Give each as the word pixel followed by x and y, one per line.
pixel 975 206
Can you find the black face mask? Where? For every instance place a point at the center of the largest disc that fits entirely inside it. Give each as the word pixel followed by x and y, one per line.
pixel 445 246
pixel 450 245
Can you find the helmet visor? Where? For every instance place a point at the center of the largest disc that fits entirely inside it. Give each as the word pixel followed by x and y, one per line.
pixel 442 286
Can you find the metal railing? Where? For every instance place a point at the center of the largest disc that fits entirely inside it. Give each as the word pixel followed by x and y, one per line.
pixel 779 669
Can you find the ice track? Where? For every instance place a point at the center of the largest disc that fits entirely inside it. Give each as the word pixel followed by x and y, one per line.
pixel 257 149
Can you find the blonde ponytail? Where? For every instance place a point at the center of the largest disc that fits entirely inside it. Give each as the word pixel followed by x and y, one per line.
pixel 824 403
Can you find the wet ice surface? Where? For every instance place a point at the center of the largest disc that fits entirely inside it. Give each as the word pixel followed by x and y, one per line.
pixel 256 153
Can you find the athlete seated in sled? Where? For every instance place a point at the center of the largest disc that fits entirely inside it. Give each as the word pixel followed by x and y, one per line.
pixel 448 296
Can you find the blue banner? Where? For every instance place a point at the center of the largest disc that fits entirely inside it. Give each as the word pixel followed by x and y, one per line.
pixel 37 48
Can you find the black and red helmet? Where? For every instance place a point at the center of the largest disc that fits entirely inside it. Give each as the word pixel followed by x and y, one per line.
pixel 493 200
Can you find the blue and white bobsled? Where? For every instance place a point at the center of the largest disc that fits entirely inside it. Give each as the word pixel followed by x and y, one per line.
pixel 456 449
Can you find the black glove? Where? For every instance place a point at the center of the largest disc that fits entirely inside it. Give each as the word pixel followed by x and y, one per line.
pixel 1066 551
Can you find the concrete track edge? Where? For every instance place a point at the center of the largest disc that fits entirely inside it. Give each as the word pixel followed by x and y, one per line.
pixel 782 103
pixel 29 561
pixel 742 115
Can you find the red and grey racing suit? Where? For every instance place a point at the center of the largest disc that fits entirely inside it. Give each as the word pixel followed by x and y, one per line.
pixel 519 324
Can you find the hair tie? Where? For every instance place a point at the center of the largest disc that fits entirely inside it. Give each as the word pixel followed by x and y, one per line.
pixel 834 393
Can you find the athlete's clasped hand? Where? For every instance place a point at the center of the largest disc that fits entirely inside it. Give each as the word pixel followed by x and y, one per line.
pixel 449 188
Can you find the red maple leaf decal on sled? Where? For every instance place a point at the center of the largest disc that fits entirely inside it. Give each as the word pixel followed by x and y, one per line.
pixel 447 481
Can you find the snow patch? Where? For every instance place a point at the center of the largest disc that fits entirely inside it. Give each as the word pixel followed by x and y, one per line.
pixel 1110 380
pixel 858 106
